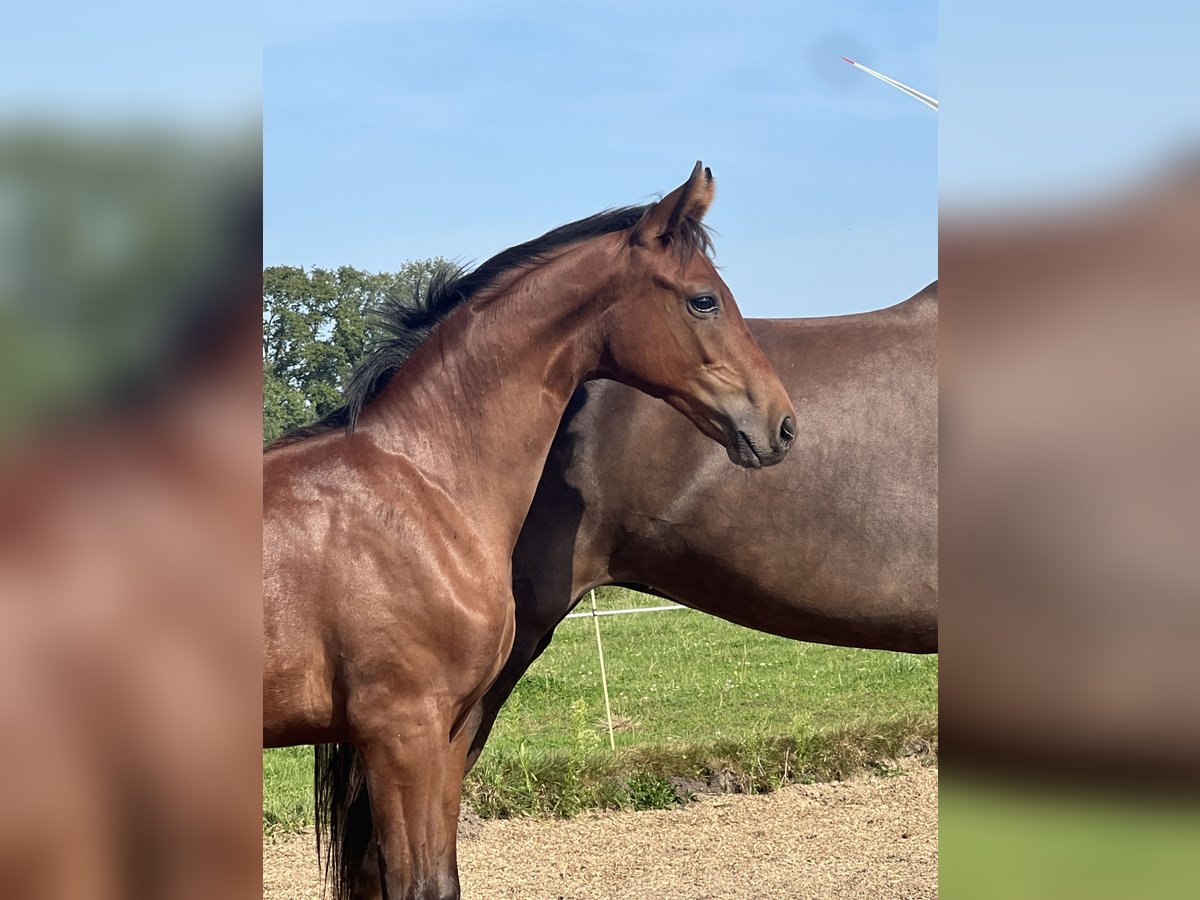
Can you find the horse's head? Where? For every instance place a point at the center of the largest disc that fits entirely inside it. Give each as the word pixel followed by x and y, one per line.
pixel 674 331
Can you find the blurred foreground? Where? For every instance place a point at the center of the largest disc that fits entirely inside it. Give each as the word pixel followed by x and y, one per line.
pixel 129 543
pixel 1070 531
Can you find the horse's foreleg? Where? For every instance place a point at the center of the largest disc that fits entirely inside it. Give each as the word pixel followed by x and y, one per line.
pixel 368 884
pixel 406 768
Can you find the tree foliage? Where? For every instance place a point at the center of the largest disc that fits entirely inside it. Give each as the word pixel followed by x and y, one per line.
pixel 315 331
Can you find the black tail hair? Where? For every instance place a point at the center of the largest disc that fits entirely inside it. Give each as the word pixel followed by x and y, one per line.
pixel 344 827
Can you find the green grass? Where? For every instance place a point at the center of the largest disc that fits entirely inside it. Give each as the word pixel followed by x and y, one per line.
pixel 287 788
pixel 692 696
pixel 1002 839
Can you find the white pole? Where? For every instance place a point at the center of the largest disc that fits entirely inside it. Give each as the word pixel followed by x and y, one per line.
pixel 912 92
pixel 622 612
pixel 612 741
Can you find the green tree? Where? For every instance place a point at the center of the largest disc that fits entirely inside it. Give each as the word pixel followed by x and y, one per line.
pixel 315 332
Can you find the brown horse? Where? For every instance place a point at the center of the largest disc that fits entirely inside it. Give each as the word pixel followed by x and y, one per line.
pixel 389 527
pixel 838 545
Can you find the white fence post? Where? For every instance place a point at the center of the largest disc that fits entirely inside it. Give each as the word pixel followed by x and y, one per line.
pixel 612 741
pixel 595 615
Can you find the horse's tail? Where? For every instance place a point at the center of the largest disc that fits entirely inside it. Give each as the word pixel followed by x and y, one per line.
pixel 343 821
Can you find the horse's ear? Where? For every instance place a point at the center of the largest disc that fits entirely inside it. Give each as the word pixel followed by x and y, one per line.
pixel 688 201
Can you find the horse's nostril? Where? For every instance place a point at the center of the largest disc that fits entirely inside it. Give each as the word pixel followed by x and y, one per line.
pixel 787 430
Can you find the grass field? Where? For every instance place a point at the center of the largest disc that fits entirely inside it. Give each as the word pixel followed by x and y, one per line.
pixel 1002 838
pixel 692 696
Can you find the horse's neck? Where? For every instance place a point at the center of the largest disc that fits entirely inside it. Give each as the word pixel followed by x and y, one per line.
pixel 476 407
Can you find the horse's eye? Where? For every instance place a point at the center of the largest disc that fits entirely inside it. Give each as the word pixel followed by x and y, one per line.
pixel 704 305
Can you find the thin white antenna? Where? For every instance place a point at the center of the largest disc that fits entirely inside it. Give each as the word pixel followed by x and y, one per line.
pixel 912 92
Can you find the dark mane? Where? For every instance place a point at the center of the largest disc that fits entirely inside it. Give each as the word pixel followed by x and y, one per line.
pixel 406 322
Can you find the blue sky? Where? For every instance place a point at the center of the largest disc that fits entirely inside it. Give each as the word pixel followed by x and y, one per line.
pixel 400 131
pixel 111 64
pixel 395 131
pixel 1046 102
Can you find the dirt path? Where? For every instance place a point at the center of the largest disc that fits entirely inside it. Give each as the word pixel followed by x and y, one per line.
pixel 871 837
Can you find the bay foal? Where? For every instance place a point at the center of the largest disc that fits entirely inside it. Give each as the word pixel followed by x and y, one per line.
pixel 389 527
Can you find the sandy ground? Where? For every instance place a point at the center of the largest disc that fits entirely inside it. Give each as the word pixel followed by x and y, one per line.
pixel 870 837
